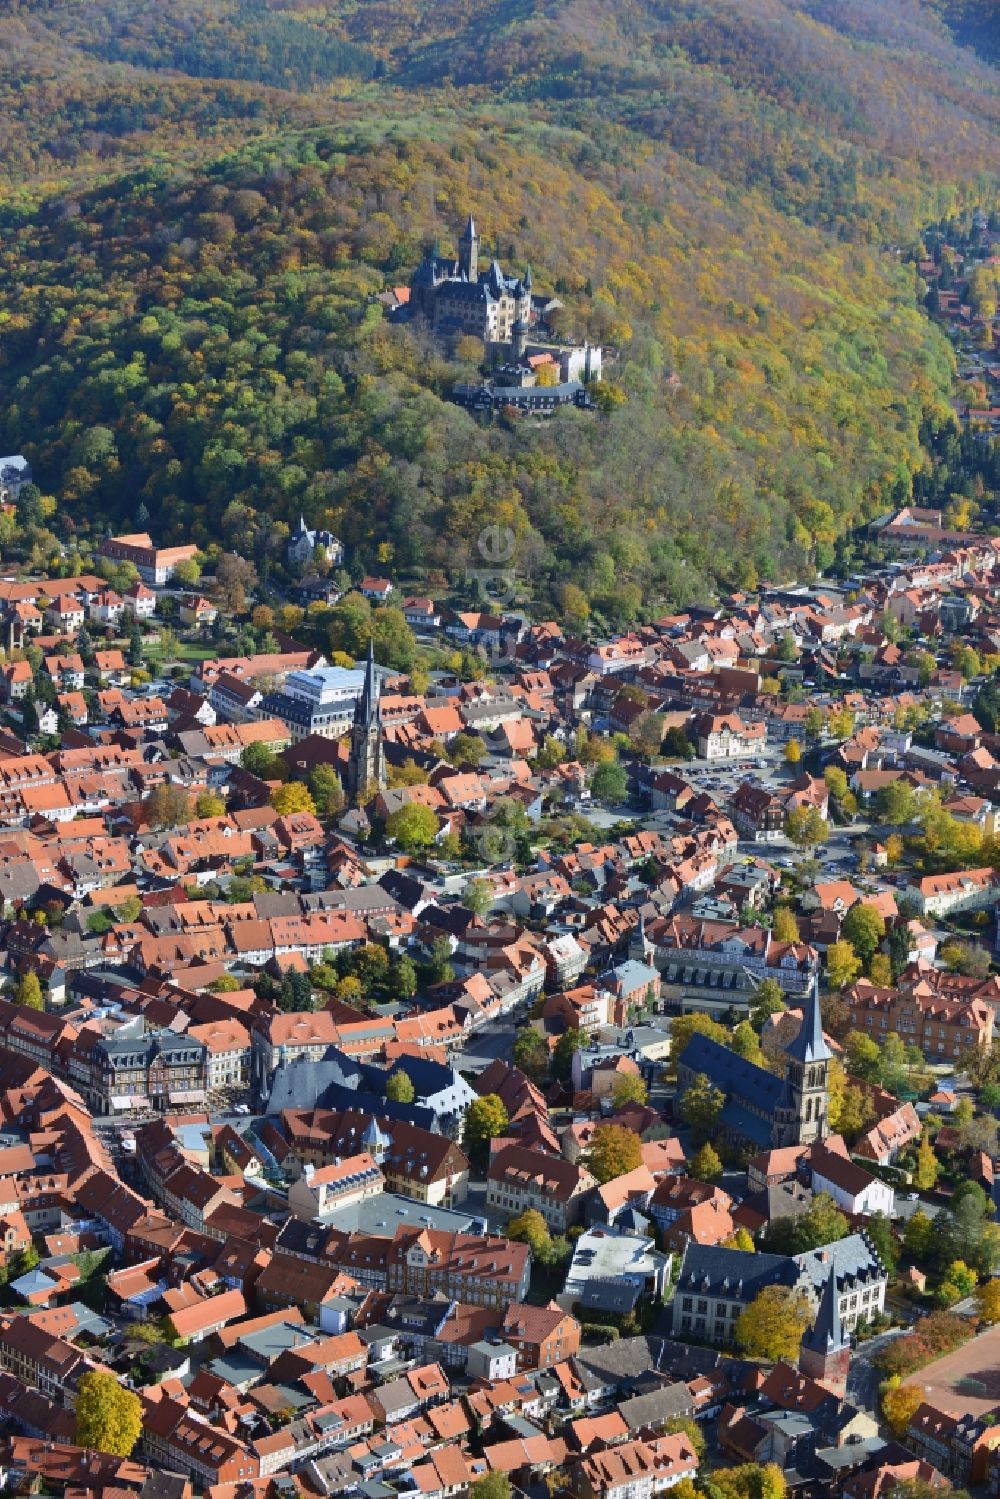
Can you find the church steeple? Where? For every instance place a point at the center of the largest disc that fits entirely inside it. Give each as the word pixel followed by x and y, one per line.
pixel 807 1063
pixel 367 763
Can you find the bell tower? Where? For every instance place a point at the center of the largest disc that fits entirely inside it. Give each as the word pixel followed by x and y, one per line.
pixel 367 763
pixel 804 1116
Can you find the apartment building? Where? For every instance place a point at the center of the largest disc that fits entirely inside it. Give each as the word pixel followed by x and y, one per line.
pixel 942 1025
pixel 519 1179
pixel 635 1470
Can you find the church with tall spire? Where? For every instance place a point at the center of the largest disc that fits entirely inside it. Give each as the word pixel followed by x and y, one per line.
pixel 366 765
pixel 761 1109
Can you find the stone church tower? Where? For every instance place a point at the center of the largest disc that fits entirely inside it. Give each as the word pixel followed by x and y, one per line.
pixel 367 763
pixel 803 1117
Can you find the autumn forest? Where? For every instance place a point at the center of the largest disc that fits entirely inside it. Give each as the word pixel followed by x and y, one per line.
pixel 201 201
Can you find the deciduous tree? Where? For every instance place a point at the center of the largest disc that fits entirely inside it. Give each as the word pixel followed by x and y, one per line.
pixel 771 1327
pixel 399 1088
pixel 706 1166
pixel 700 1105
pixel 531 1053
pixel 485 1120
pixel 291 798
pixel 108 1416
pixel 613 1152
pixel 413 826
pixel 842 964
pixel 900 1404
pixel 628 1088
pixel 29 992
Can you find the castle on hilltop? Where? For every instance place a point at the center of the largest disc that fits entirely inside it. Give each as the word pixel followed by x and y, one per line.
pixel 459 299
pixel 456 297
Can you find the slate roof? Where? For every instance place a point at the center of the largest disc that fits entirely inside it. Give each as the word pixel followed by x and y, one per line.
pixel 739 1274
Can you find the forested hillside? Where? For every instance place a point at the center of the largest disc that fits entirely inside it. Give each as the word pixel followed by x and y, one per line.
pixel 202 197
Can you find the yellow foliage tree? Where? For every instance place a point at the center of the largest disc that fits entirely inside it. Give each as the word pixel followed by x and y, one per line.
pixel 771 1327
pixel 293 797
pixel 899 1404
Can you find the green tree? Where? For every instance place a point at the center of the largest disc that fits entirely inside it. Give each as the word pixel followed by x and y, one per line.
pixel 486 1119
pixel 879 1231
pixel 327 792
pixel 771 1327
pixel 768 999
pixel 863 927
pixel 918 1236
pixel 700 1106
pixel 862 1056
pixel 467 749
pixel 477 896
pixel 440 970
pixel 628 1088
pixel 491 1486
pixel 706 1166
pixel 262 762
pixel 531 1053
pixel 399 1088
pixel 563 1052
pixel 29 992
pixel 896 803
pixel 842 964
pixel 402 977
pixel 413 826
pixel 108 1417
pixel 821 1223
pixel 609 783
pixel 685 1425
pixel 613 1152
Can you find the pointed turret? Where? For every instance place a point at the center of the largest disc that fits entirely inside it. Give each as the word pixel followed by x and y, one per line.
pixel 826 1333
pixel 825 1350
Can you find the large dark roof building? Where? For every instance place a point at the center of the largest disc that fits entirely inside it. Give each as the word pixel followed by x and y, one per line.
pixel 761 1109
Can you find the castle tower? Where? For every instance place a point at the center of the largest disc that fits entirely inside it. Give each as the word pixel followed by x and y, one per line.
pixel 825 1350
pixel 367 763
pixel 518 340
pixel 468 251
pixel 524 298
pixel 807 1063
